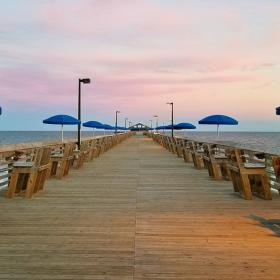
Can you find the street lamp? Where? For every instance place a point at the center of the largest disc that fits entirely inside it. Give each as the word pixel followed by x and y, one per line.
pixel 151 125
pixel 84 81
pixel 116 123
pixel 125 120
pixel 172 118
pixel 155 116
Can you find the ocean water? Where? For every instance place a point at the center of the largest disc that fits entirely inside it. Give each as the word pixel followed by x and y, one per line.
pixel 260 141
pixel 15 137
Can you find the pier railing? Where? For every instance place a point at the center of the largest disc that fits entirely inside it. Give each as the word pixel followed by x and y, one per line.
pixel 253 157
pixel 11 153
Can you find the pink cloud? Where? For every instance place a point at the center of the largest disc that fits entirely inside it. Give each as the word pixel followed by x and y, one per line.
pixel 106 17
pixel 34 87
pixel 140 54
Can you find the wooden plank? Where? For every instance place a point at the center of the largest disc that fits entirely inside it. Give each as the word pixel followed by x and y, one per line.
pixel 139 212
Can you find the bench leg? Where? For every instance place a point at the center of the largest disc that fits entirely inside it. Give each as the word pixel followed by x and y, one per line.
pixel 266 188
pixel 246 189
pixel 30 185
pixel 12 185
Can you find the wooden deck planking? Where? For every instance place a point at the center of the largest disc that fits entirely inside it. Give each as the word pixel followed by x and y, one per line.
pixel 138 212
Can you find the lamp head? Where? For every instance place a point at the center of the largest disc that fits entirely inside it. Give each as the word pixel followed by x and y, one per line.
pixel 85 81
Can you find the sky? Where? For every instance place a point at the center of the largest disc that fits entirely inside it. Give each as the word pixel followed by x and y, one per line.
pixel 206 56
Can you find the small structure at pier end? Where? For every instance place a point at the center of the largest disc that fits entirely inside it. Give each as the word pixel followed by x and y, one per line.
pixel 139 127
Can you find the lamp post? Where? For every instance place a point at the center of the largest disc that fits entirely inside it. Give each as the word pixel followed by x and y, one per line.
pixel 84 81
pixel 116 123
pixel 125 120
pixel 151 124
pixel 172 118
pixel 155 116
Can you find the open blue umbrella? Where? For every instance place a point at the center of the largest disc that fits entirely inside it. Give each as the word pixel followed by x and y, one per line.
pixel 218 120
pixel 108 127
pixel 93 125
pixel 62 120
pixel 184 126
pixel 167 126
pixel 121 128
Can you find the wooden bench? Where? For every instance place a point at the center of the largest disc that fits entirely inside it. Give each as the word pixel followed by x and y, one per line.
pixel 61 162
pixel 248 177
pixel 186 151
pixel 179 146
pixel 197 154
pixel 81 155
pixel 216 162
pixel 28 177
pixel 276 168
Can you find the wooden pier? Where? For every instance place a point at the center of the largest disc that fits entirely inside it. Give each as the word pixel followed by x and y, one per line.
pixel 139 212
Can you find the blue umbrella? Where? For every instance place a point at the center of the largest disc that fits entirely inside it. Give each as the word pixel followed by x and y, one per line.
pixel 93 125
pixel 121 128
pixel 62 120
pixel 168 127
pixel 108 127
pixel 184 126
pixel 218 120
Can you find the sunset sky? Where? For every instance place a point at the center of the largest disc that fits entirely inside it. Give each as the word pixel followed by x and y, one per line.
pixel 208 57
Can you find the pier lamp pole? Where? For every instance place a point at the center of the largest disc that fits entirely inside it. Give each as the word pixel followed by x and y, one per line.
pixel 172 118
pixel 116 123
pixel 151 123
pixel 155 116
pixel 125 120
pixel 81 81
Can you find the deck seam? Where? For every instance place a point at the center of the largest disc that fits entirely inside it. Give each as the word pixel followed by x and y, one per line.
pixel 136 201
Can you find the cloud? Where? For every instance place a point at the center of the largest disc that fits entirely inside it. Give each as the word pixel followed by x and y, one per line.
pixel 139 53
pixel 105 18
pixel 35 87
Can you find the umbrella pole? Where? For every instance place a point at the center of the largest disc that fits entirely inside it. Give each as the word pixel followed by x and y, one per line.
pixel 62 133
pixel 218 133
pixel 93 132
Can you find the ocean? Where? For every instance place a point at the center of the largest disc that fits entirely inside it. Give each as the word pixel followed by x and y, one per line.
pixel 261 141
pixel 15 137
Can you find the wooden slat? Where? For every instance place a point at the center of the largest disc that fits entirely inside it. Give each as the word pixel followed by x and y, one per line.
pixel 139 212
